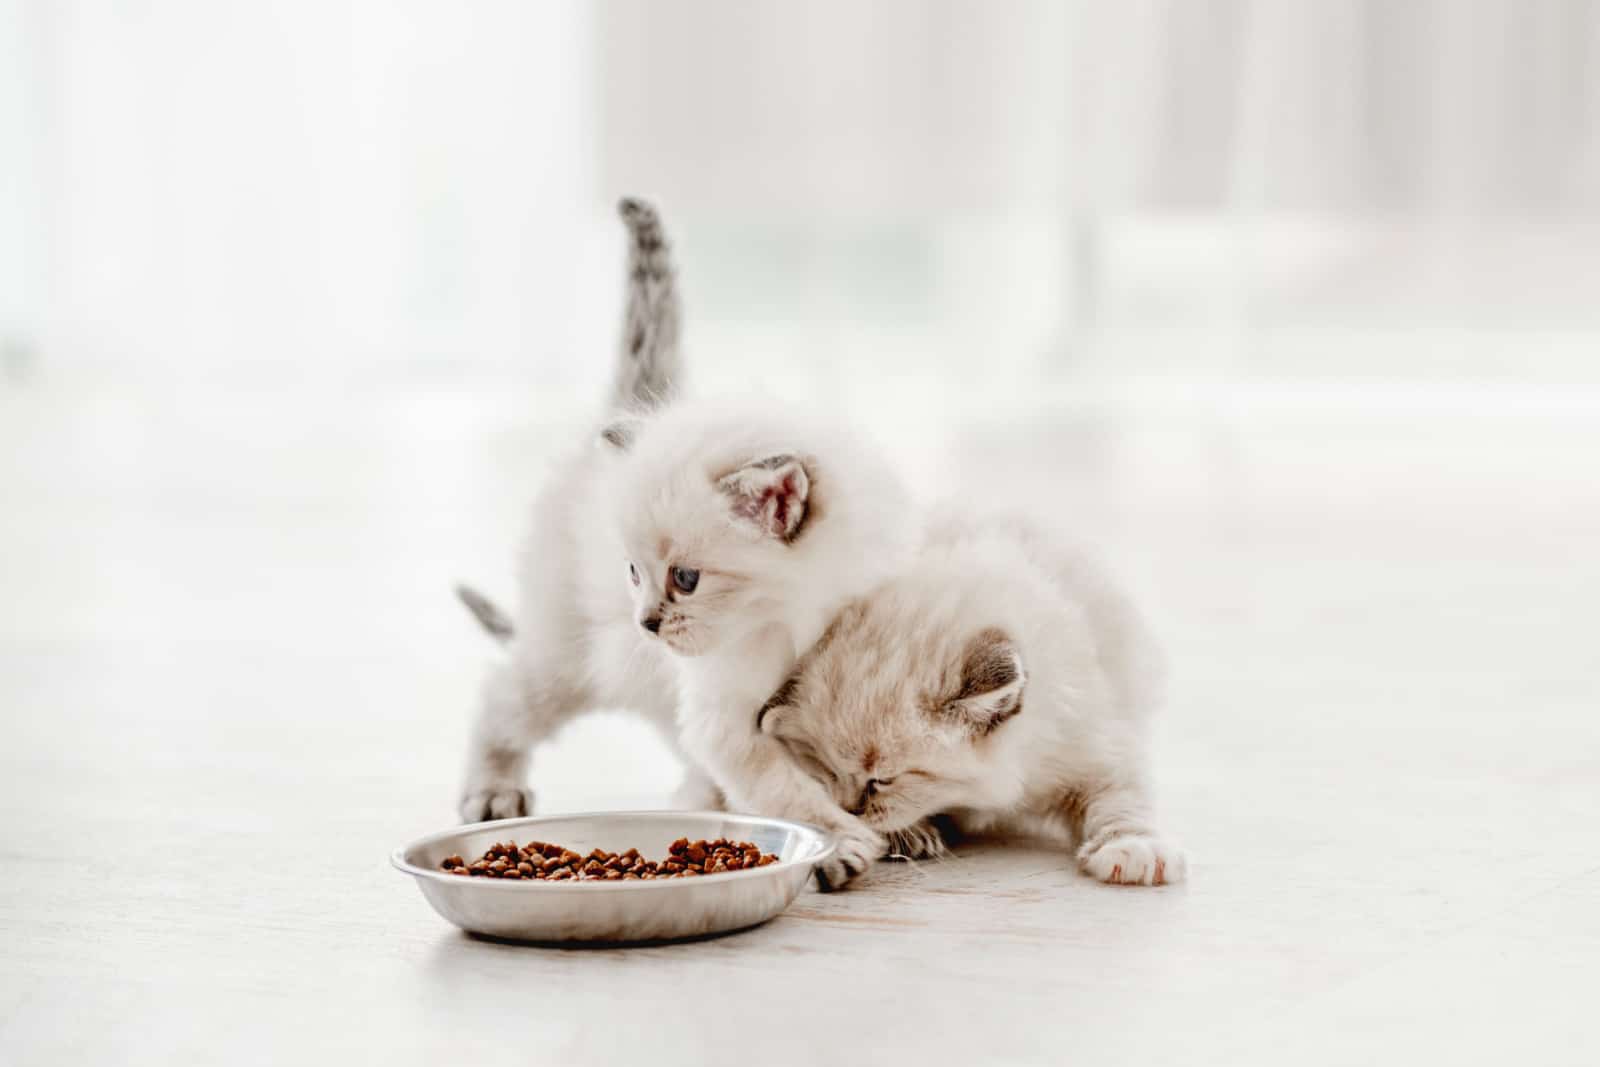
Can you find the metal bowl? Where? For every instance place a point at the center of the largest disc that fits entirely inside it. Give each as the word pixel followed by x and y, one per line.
pixel 658 910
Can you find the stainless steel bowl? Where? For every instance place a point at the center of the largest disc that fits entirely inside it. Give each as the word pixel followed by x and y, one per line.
pixel 657 910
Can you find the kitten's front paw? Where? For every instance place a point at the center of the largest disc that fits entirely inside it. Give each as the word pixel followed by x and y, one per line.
pixel 497 802
pixel 1135 859
pixel 922 841
pixel 858 848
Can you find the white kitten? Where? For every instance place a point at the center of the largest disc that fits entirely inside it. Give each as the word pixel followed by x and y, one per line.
pixel 740 547
pixel 1002 679
pixel 679 568
pixel 564 658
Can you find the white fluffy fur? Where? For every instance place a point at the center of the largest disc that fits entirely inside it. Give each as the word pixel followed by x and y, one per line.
pixel 1002 679
pixel 667 499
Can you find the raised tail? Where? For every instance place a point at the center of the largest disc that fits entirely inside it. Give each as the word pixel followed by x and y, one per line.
pixel 650 364
pixel 494 621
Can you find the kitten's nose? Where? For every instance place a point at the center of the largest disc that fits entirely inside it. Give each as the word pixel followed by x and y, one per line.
pixel 653 624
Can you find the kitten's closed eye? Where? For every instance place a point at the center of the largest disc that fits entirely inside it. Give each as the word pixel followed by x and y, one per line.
pixel 873 787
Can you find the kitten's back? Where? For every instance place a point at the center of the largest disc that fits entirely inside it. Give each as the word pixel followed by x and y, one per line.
pixel 1012 549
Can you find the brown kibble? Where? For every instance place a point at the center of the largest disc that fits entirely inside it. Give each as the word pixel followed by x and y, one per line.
pixel 545 862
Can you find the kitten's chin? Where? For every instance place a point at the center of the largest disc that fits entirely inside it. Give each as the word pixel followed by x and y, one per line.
pixel 685 646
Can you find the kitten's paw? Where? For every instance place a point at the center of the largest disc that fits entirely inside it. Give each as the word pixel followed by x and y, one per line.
pixel 923 841
pixel 858 848
pixel 498 802
pixel 1135 859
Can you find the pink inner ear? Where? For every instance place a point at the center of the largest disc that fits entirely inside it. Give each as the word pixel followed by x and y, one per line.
pixel 782 495
pixel 770 493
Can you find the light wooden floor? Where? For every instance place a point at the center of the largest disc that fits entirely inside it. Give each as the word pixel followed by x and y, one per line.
pixel 232 679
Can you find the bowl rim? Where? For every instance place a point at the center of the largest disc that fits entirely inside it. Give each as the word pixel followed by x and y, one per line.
pixel 398 857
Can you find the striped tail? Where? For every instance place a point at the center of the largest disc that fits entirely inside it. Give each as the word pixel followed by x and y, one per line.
pixel 650 364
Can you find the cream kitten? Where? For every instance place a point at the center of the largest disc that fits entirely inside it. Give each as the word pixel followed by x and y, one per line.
pixel 679 568
pixel 1002 680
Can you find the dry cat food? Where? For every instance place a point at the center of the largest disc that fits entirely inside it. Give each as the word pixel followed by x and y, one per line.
pixel 539 861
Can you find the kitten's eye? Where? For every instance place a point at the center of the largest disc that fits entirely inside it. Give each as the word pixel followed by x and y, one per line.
pixel 633 574
pixel 684 579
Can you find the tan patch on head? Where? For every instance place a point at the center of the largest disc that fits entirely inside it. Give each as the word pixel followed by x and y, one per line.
pixel 869 759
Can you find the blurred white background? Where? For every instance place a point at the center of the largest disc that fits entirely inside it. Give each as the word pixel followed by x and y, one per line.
pixel 1292 306
pixel 1389 190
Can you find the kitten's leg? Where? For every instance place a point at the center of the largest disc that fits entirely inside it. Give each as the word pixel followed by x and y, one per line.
pixel 697 792
pixel 511 722
pixel 1120 844
pixel 758 776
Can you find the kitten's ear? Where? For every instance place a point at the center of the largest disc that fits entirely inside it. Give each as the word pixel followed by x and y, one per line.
pixel 768 719
pixel 619 434
pixel 770 492
pixel 992 680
